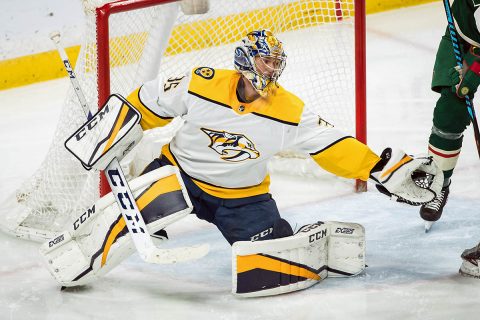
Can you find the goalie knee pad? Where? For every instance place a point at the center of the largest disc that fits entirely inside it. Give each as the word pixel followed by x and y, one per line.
pixel 99 240
pixel 297 262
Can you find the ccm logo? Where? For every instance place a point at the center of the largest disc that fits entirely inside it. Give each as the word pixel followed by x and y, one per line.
pixel 83 217
pixel 69 69
pixel 344 230
pixel 56 240
pixel 123 199
pixel 92 123
pixel 262 234
pixel 317 236
pixel 312 226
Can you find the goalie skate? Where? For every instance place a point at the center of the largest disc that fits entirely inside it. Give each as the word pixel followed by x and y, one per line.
pixel 471 258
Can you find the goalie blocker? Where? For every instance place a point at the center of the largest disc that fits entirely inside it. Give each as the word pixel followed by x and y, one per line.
pixel 313 253
pixel 111 133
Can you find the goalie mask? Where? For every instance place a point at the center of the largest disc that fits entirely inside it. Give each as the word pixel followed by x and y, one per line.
pixel 261 59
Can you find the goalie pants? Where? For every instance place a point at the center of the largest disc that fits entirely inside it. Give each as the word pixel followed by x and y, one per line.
pixel 450 116
pixel 237 219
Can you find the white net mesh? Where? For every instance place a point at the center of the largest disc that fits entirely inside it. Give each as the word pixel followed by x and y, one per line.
pixel 318 37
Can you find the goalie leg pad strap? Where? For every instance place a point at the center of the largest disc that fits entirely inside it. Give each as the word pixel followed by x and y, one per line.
pixel 99 240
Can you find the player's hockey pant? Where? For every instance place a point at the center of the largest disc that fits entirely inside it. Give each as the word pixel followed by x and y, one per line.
pixel 237 219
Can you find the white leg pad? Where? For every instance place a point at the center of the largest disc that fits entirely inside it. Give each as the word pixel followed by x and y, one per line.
pixel 99 240
pixel 346 249
pixel 282 265
pixel 315 251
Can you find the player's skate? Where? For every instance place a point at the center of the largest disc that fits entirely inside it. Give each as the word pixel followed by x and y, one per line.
pixel 432 211
pixel 471 258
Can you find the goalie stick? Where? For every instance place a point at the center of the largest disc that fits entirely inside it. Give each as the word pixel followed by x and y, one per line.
pixel 55 36
pixel 124 197
pixel 458 56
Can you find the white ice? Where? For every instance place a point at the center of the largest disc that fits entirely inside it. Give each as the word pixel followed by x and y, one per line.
pixel 410 274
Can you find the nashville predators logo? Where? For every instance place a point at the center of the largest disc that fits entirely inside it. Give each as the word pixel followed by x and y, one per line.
pixel 231 146
pixel 205 72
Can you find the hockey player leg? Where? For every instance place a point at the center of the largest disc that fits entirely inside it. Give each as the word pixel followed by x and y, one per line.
pixel 99 240
pixel 449 121
pixel 315 251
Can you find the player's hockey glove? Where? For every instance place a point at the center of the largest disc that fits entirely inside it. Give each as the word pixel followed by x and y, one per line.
pixel 467 80
pixel 408 179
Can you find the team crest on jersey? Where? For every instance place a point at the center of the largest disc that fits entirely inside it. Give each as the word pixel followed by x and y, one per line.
pixel 231 146
pixel 205 72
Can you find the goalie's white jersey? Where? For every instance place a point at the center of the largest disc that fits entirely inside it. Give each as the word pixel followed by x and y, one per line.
pixel 224 144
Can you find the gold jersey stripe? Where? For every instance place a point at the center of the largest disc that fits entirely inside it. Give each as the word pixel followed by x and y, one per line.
pixel 222 192
pixel 255 261
pixel 149 119
pixel 342 159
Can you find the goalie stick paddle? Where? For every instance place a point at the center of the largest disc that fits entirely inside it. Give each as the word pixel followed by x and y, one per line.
pixel 458 56
pixel 124 196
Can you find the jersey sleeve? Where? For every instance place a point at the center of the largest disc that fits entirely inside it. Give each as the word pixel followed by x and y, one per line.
pixel 161 100
pixel 333 150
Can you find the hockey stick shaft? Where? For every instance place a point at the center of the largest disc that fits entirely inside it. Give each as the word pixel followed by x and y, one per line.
pixel 137 227
pixel 55 36
pixel 126 200
pixel 128 208
pixel 457 50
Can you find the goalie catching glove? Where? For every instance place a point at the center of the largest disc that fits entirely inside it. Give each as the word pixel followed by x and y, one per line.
pixel 407 179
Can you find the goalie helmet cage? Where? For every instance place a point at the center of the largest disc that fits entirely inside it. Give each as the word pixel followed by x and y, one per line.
pixel 128 42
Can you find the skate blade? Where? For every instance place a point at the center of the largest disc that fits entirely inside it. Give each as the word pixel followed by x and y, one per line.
pixel 428 226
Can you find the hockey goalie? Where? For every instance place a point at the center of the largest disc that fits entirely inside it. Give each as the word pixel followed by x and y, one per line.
pixel 216 164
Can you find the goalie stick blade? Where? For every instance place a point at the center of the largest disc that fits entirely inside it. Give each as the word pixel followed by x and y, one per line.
pixel 174 255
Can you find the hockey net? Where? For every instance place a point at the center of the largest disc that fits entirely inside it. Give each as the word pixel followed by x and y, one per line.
pixel 129 42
